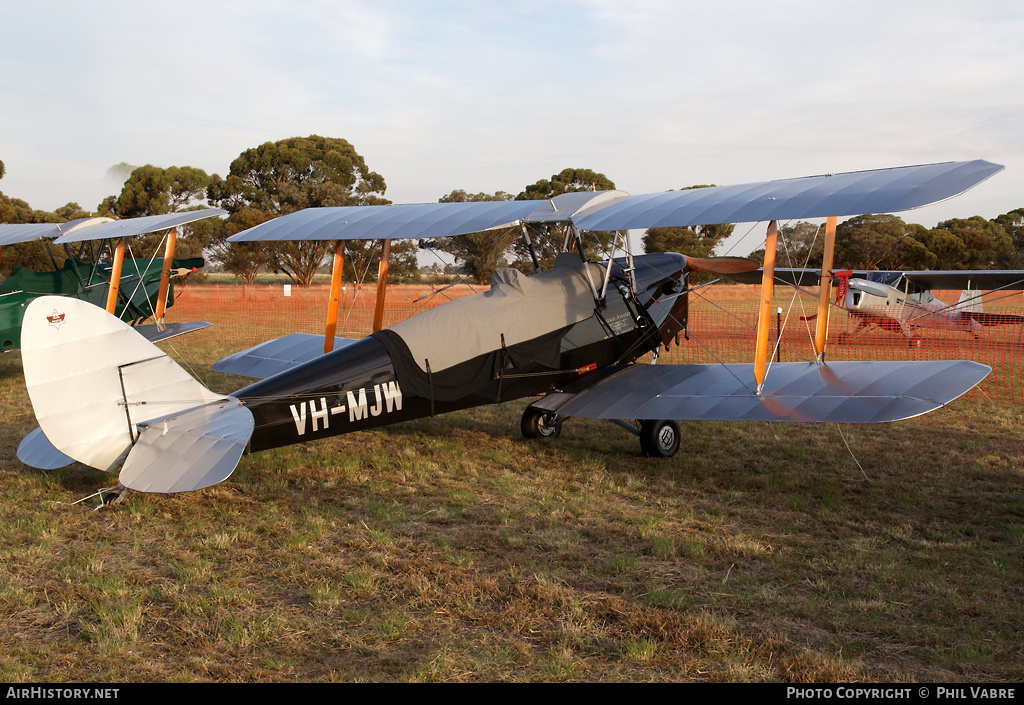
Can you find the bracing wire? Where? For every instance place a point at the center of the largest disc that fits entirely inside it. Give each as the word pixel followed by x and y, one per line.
pixel 864 475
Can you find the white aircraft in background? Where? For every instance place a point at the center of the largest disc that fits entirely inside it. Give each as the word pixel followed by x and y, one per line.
pixel 903 302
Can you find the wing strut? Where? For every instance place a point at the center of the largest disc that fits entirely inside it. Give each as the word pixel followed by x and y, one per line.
pixel 529 244
pixel 332 303
pixel 382 283
pixel 115 278
pixel 165 275
pixel 825 289
pixel 764 314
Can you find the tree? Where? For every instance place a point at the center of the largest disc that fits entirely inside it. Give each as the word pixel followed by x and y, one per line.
pixel 479 253
pixel 71 211
pixel 864 242
pixel 803 244
pixel 243 259
pixel 695 241
pixel 1013 224
pixel 151 190
pixel 946 249
pixel 986 242
pixel 881 241
pixel 566 181
pixel 547 239
pixel 35 254
pixel 281 177
pixel 362 261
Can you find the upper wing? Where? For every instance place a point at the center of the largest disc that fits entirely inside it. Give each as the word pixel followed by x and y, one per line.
pixel 100 228
pixel 130 227
pixel 853 193
pixel 878 191
pixel 13 233
pixel 839 392
pixel 422 220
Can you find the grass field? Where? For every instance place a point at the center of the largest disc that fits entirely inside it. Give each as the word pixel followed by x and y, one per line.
pixel 450 549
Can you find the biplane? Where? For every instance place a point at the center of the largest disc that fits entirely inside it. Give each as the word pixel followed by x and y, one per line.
pixel 903 301
pixel 139 290
pixel 574 336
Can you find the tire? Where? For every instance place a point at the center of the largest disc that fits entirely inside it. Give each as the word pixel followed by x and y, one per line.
pixel 540 424
pixel 659 438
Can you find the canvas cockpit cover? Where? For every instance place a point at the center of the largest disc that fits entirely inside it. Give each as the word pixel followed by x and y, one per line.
pixel 516 309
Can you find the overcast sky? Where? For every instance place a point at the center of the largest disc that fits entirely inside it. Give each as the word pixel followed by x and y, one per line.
pixel 493 96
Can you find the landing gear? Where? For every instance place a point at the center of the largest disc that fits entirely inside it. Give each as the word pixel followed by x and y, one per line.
pixel 540 424
pixel 659 438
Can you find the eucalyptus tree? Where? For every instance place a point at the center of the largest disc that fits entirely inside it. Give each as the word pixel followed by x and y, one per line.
pixel 153 190
pixel 478 253
pixel 281 177
pixel 547 240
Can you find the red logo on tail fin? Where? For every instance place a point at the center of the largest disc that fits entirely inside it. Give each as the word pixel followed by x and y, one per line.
pixel 56 319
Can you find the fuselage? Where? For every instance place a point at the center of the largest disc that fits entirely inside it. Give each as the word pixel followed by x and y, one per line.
pixel 524 337
pixel 891 309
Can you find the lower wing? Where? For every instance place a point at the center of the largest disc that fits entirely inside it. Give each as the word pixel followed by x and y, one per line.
pixel 838 392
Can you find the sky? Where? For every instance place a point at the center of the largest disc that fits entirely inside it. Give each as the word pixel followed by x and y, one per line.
pixel 492 96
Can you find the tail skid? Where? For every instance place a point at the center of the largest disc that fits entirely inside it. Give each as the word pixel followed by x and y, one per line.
pixel 106 396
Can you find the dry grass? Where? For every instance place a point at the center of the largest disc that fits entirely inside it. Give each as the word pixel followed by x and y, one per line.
pixel 449 549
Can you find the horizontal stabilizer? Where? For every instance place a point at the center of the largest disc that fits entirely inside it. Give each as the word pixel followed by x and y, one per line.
pixel 275 356
pixel 190 450
pixel 36 451
pixel 839 392
pixel 154 333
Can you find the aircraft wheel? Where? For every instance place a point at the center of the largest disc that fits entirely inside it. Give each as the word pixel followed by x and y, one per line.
pixel 659 438
pixel 539 424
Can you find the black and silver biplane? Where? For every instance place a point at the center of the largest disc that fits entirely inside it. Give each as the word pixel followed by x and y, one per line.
pixel 572 335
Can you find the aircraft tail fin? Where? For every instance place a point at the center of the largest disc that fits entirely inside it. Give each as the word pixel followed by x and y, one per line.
pixel 969 302
pixel 98 389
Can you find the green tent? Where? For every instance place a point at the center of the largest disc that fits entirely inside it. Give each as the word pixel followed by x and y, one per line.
pixel 137 294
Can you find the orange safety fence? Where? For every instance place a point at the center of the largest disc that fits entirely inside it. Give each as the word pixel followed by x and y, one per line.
pixel 722 323
pixel 723 320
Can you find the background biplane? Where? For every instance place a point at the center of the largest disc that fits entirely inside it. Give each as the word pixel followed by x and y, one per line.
pixel 574 334
pixel 903 301
pixel 136 291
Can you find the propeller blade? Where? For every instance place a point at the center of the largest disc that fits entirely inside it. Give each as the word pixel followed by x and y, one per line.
pixel 721 265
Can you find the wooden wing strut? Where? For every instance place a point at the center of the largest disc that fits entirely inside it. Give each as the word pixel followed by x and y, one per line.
pixel 115 278
pixel 764 313
pixel 332 304
pixel 825 289
pixel 165 275
pixel 382 284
